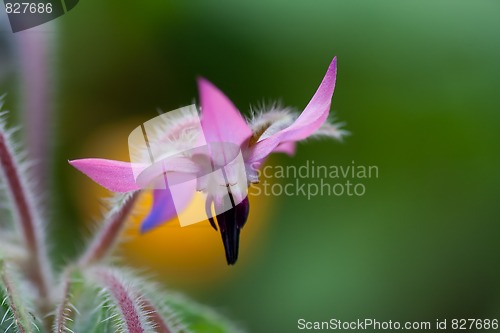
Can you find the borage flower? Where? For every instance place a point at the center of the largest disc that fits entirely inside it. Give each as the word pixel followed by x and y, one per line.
pixel 229 143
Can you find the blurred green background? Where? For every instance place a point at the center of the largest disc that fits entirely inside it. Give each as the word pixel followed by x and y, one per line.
pixel 418 86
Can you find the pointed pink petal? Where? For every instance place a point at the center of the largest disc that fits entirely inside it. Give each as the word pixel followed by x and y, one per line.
pixel 288 148
pixel 313 116
pixel 316 112
pixel 221 121
pixel 116 176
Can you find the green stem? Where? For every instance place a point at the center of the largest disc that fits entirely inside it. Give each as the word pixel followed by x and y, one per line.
pixel 20 316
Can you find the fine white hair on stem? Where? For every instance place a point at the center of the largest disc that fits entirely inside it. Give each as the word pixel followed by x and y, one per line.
pixel 133 307
pixel 114 222
pixel 64 310
pixel 26 210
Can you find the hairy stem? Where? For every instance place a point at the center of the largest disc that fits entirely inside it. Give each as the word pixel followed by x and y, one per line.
pixel 124 299
pixel 26 216
pixel 161 325
pixel 64 309
pixel 105 240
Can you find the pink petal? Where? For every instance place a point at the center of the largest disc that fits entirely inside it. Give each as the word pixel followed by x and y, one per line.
pixel 313 116
pixel 288 148
pixel 152 176
pixel 221 121
pixel 116 176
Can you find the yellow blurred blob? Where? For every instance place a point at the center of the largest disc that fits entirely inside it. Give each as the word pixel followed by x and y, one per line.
pixel 183 255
